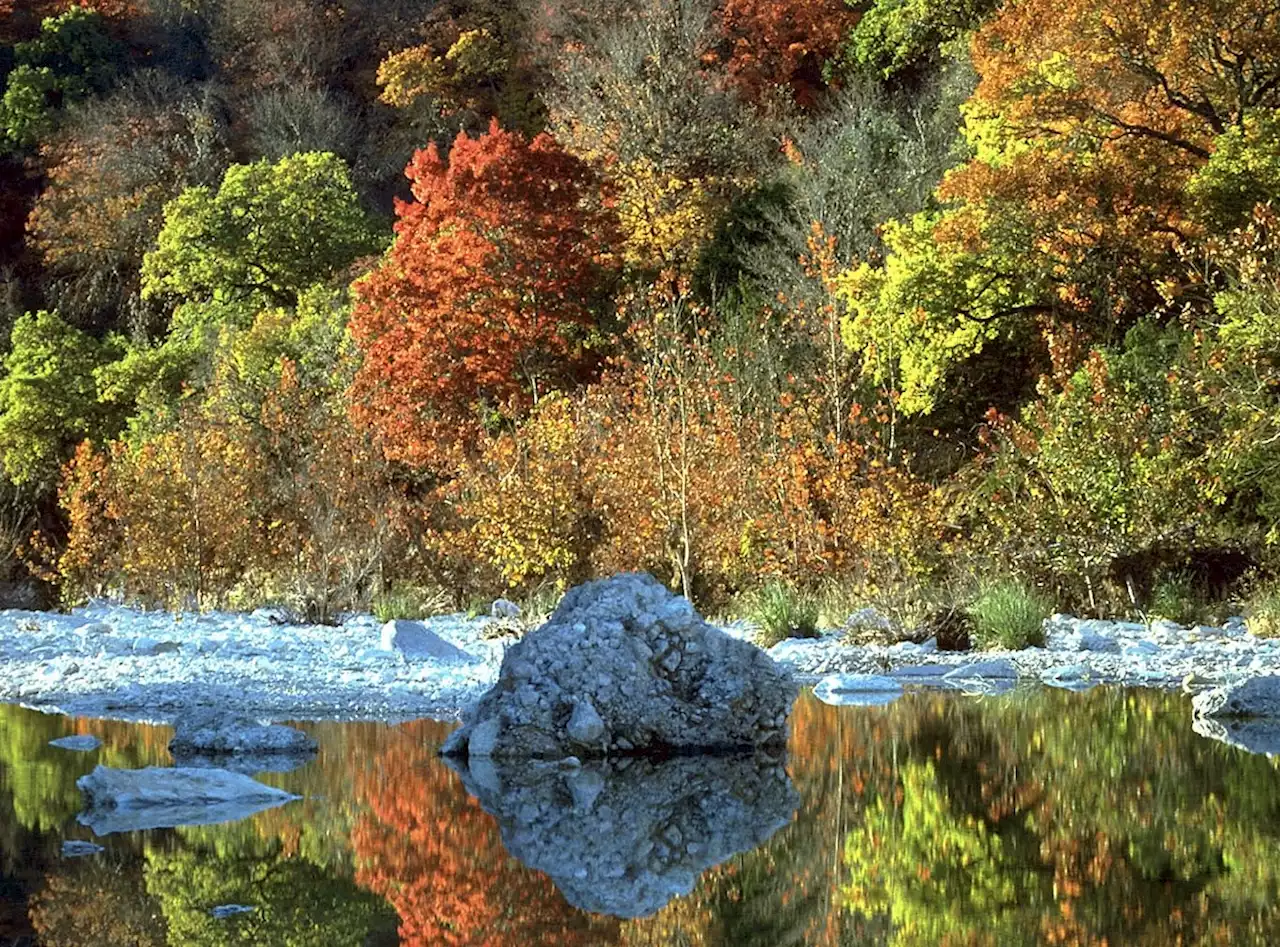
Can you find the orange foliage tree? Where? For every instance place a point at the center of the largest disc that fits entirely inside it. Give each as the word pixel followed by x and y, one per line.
pixel 430 849
pixel 488 295
pixel 784 44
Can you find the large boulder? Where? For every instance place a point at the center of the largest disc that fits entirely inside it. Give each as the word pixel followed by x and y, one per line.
pixel 1255 697
pixel 625 836
pixel 624 666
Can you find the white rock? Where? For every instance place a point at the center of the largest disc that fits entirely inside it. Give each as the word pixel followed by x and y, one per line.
pixel 1086 640
pixel 213 733
pixel 417 642
pixel 504 608
pixel 1255 697
pixel 997 670
pixel 585 726
pixel 720 692
pixel 78 848
pixel 857 690
pixel 1141 649
pixel 1077 677
pixel 82 743
pixel 127 800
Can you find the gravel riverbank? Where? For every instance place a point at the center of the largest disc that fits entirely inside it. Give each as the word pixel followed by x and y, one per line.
pixel 120 662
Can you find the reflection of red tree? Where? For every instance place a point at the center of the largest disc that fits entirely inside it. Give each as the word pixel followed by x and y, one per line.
pixel 429 849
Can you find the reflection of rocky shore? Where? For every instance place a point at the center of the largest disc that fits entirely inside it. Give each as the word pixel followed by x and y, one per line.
pixel 625 836
pixel 1256 735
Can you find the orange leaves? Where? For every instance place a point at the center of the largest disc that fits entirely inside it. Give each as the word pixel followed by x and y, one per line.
pixel 783 44
pixel 487 297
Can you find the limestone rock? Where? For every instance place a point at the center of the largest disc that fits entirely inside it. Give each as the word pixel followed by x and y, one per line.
pixel 1255 697
pixel 81 743
pixel 417 642
pixel 129 800
pixel 655 675
pixel 857 690
pixel 625 836
pixel 504 608
pixel 205 738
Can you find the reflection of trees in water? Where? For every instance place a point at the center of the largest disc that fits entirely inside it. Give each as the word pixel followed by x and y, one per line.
pixel 432 851
pixel 1066 819
pixel 1048 819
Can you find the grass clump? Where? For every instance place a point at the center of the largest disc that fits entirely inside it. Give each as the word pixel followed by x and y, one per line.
pixel 1007 614
pixel 1175 598
pixel 408 601
pixel 1262 612
pixel 781 612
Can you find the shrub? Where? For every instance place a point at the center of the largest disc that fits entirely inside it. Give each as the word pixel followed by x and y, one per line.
pixel 1008 614
pixel 783 612
pixel 1262 612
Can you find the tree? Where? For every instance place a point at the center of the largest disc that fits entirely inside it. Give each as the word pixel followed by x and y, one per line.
pixel 1087 125
pixel 488 295
pixel 893 36
pixel 72 58
pixel 48 397
pixel 784 45
pixel 630 86
pixel 268 233
pixel 111 171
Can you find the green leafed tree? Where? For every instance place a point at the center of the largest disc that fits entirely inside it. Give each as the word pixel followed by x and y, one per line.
pixel 48 397
pixel 268 233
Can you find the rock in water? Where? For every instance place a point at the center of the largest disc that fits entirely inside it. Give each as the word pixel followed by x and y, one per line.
pixel 1255 697
pixel 81 743
pixel 215 738
pixel 129 800
pixel 857 690
pixel 625 836
pixel 1257 735
pixel 625 666
pixel 417 642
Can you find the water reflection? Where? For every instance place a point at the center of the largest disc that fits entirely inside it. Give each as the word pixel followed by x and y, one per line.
pixel 1051 818
pixel 624 837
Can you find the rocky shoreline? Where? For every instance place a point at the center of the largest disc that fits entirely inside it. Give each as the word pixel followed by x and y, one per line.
pixel 118 662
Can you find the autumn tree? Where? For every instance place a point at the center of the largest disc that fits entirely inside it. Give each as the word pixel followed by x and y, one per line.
pixel 630 87
pixel 488 296
pixel 111 171
pixel 267 233
pixel 783 46
pixel 1087 125
pixel 72 58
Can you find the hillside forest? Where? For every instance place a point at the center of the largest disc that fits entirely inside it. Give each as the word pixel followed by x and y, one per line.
pixel 323 302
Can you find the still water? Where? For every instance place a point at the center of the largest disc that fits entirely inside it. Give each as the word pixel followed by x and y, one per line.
pixel 1029 818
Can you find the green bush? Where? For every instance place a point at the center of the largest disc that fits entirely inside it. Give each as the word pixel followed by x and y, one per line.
pixel 782 612
pixel 1008 614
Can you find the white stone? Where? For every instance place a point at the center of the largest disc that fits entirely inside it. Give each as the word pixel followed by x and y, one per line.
pixel 417 642
pixel 999 669
pixel 504 608
pixel 82 743
pixel 78 848
pixel 1086 640
pixel 716 692
pixel 216 733
pixel 585 726
pixel 857 690
pixel 1255 697
pixel 127 800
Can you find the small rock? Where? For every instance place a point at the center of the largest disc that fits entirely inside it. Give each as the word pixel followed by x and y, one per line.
pixel 1076 677
pixel 997 670
pixel 585 726
pixel 77 848
pixel 857 690
pixel 223 911
pixel 504 608
pixel 1141 649
pixel 82 743
pixel 1086 640
pixel 215 733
